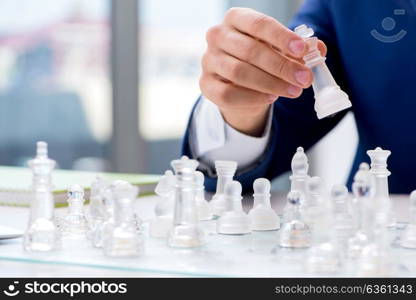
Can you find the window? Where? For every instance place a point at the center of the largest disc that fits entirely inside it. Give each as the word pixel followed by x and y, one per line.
pixel 171 43
pixel 54 81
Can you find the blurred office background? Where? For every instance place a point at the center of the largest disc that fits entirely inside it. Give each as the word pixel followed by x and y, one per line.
pixel 110 84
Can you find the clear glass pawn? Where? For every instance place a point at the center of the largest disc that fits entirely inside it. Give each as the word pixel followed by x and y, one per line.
pixel 42 233
pixel 122 238
pixel 185 232
pixel 316 191
pixel 361 208
pixel 202 205
pixel 225 172
pixel 343 222
pixel 329 98
pixel 162 223
pixel 295 233
pixel 233 220
pixel 298 182
pixel 408 237
pixel 75 223
pixel 96 208
pixel 262 215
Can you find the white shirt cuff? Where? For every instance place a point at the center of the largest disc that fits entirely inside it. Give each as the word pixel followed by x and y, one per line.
pixel 211 138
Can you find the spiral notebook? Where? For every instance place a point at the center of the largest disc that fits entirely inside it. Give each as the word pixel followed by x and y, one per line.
pixel 15 184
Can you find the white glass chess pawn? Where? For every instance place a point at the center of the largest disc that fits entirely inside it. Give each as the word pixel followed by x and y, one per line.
pixel 317 191
pixel 298 181
pixel 329 98
pixel 380 173
pixel 408 237
pixel 96 209
pixel 202 205
pixel 233 220
pixel 262 215
pixel 185 232
pixel 225 173
pixel 361 208
pixel 295 233
pixel 324 256
pixel 74 223
pixel 122 238
pixel 376 259
pixel 343 222
pixel 42 233
pixel 162 223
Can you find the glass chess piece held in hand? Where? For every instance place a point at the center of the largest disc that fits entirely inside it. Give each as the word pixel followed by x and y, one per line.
pixel 295 233
pixel 408 236
pixel 75 224
pixel 185 232
pixel 262 215
pixel 233 220
pixel 122 238
pixel 225 173
pixel 42 233
pixel 329 98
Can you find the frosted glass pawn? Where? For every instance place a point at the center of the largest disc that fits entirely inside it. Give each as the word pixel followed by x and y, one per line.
pixel 408 237
pixel 202 205
pixel 343 222
pixel 122 238
pixel 262 215
pixel 298 181
pixel 225 173
pixel 295 233
pixel 165 189
pixel 233 220
pixel 185 232
pixel 381 197
pixel 42 233
pixel 329 98
pixel 362 211
pixel 75 223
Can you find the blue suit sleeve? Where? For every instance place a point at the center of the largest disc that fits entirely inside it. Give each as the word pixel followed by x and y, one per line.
pixel 294 121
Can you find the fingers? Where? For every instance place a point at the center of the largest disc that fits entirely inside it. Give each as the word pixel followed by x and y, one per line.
pixel 229 96
pixel 246 75
pixel 258 54
pixel 266 29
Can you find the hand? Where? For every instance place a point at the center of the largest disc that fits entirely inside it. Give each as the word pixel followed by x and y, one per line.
pixel 250 61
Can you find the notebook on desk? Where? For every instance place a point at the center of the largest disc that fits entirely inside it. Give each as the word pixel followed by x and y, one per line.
pixel 15 184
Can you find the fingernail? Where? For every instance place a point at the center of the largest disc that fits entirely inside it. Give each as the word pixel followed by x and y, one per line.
pixel 294 90
pixel 271 98
pixel 297 47
pixel 302 77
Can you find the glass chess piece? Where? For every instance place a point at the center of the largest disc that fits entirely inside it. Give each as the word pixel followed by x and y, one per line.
pixel 75 223
pixel 298 181
pixel 202 205
pixel 295 233
pixel 121 237
pixel 185 232
pixel 225 172
pixel 329 98
pixel 408 237
pixel 361 208
pixel 343 222
pixel 233 220
pixel 324 256
pixel 380 173
pixel 95 211
pixel 262 215
pixel 316 190
pixel 42 233
pixel 162 223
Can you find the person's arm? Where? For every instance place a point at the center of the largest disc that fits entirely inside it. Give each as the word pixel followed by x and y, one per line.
pixel 294 122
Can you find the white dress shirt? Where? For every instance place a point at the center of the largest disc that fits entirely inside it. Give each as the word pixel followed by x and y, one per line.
pixel 211 138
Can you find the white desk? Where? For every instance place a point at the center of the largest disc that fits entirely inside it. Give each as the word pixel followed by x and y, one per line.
pixel 254 255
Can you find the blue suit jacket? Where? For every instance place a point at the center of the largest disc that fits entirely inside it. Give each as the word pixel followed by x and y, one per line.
pixel 377 72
